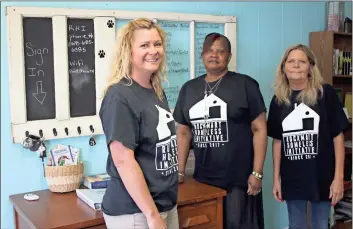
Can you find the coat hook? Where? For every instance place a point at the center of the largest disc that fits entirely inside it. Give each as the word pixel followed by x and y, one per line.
pixel 26 133
pixel 41 133
pixel 79 130
pixel 54 132
pixel 66 131
pixel 92 141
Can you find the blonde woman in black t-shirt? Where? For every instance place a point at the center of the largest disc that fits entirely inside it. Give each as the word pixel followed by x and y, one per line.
pixel 306 121
pixel 140 133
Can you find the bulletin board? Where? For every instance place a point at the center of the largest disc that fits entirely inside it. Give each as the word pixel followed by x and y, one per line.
pixel 59 60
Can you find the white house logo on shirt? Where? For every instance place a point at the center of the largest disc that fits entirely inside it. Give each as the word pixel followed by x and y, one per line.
pixel 300 133
pixel 214 132
pixel 166 159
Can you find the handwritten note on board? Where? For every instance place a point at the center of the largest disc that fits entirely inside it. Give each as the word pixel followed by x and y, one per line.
pixel 81 56
pixel 39 68
pixel 201 30
pixel 178 58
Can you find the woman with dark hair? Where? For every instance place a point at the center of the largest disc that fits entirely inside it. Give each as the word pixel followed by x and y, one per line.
pixel 223 116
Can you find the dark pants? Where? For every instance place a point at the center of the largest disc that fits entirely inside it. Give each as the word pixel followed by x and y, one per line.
pixel 319 215
pixel 242 211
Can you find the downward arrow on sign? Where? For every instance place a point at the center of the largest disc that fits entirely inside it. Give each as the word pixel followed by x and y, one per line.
pixel 39 95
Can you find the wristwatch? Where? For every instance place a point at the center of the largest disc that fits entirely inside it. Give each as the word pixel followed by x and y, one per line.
pixel 257 175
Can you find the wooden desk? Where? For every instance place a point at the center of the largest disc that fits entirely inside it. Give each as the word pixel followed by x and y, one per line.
pixel 199 206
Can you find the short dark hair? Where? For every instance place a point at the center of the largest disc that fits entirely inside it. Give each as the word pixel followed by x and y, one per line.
pixel 212 37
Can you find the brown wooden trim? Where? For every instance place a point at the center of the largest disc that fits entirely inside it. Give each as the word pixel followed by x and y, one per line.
pixel 66 210
pixel 220 213
pixel 342 34
pixel 343 76
pixel 15 218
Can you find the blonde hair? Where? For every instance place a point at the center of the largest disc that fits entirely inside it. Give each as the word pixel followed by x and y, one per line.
pixel 310 94
pixel 121 65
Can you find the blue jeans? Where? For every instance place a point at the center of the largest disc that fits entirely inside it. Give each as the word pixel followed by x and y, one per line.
pixel 319 215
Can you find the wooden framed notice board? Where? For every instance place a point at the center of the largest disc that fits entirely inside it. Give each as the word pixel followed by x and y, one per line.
pixel 59 59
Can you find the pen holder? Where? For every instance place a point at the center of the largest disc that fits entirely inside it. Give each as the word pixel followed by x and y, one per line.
pixel 65 178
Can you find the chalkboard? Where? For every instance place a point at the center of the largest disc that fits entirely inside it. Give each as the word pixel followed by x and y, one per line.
pixel 39 68
pixel 81 57
pixel 178 58
pixel 201 30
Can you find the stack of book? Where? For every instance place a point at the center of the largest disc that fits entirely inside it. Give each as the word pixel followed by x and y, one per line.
pixel 93 194
pixel 96 181
pixel 92 197
pixel 342 62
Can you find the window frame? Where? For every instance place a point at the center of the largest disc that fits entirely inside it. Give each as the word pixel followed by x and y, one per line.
pixel 104 40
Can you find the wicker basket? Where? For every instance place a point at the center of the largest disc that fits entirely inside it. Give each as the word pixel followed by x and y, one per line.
pixel 64 178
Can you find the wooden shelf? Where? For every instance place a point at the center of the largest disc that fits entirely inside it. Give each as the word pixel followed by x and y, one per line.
pixel 342 34
pixel 343 76
pixel 322 44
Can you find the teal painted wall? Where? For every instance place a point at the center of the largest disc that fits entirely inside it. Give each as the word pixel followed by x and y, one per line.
pixel 348 9
pixel 264 31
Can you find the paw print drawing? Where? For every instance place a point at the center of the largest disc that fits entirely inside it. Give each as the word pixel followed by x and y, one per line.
pixel 101 54
pixel 110 24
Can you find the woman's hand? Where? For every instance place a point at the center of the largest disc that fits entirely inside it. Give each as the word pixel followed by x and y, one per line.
pixel 336 191
pixel 181 176
pixel 254 185
pixel 276 190
pixel 156 222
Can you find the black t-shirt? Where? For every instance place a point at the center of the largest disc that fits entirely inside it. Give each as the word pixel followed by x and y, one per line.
pixel 134 116
pixel 307 154
pixel 224 152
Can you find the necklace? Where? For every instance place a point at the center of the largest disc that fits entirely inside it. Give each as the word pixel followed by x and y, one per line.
pixel 214 88
pixel 206 94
